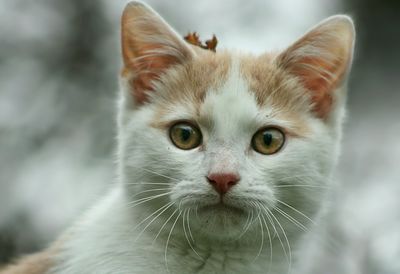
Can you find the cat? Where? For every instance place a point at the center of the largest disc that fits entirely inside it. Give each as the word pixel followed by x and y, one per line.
pixel 224 158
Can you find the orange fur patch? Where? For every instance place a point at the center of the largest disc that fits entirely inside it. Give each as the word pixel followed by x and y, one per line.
pixel 189 83
pixel 38 263
pixel 145 57
pixel 274 87
pixel 320 60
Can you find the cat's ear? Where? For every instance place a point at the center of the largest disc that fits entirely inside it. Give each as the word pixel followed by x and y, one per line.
pixel 149 47
pixel 321 60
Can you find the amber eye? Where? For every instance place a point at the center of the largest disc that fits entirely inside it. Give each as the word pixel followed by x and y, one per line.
pixel 268 141
pixel 185 135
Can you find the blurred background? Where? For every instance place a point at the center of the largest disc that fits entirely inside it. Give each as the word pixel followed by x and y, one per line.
pixel 59 62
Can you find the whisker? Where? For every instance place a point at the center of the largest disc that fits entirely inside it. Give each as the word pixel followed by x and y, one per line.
pixel 169 218
pixel 256 205
pixel 247 225
pixel 299 176
pixel 196 211
pixel 291 219
pixel 271 222
pixel 188 222
pixel 185 213
pixel 146 199
pixel 149 197
pixel 268 213
pixel 287 241
pixel 296 210
pixel 262 239
pixel 148 217
pixel 159 174
pixel 150 190
pixel 166 207
pixel 270 243
pixel 166 245
pixel 311 186
pixel 145 183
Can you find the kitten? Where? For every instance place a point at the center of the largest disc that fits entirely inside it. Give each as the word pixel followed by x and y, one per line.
pixel 223 158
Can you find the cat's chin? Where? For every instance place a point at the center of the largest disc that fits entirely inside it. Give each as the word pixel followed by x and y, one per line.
pixel 221 221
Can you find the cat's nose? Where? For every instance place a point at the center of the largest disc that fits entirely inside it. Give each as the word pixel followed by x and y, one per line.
pixel 222 182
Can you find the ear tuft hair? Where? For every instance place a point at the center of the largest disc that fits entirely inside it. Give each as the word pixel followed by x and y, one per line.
pixel 149 47
pixel 321 60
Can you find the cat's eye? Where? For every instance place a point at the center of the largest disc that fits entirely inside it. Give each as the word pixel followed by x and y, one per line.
pixel 268 140
pixel 185 135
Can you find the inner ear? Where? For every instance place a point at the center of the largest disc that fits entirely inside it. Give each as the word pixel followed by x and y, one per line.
pixel 321 60
pixel 149 47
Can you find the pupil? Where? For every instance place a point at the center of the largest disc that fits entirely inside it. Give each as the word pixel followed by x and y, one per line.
pixel 185 134
pixel 267 138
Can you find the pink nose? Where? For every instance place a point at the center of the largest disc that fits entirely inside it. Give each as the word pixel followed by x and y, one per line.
pixel 222 182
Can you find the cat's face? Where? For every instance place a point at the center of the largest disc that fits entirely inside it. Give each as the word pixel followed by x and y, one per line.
pixel 230 141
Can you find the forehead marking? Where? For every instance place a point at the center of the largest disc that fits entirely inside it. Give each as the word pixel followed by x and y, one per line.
pixel 232 105
pixel 228 93
pixel 185 87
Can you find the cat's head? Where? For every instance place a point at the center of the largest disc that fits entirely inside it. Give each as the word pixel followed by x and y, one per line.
pixel 235 140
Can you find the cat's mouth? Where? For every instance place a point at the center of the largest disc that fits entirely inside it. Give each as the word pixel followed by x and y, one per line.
pixel 221 208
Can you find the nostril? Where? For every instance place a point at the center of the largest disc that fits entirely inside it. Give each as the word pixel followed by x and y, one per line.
pixel 222 182
pixel 210 180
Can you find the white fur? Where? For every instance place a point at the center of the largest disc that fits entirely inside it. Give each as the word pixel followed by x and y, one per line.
pixel 113 238
pixel 106 241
